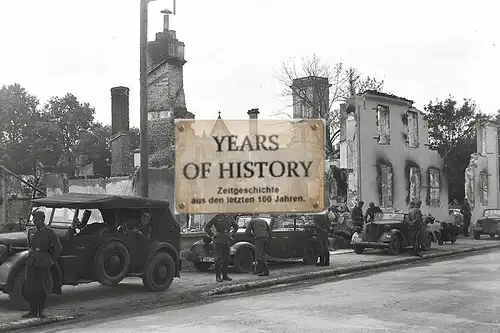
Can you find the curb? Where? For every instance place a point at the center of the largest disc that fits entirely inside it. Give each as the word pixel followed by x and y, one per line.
pixel 333 272
pixel 32 322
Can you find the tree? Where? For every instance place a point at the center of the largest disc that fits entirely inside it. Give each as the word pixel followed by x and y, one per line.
pixel 344 81
pixel 72 117
pixel 452 133
pixel 94 145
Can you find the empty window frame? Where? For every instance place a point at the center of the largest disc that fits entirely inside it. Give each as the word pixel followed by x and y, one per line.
pixel 412 129
pixel 414 178
pixel 383 124
pixel 386 185
pixel 434 187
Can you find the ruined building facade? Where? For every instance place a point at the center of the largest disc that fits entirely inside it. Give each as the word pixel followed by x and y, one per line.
pixel 482 173
pixel 165 62
pixel 384 146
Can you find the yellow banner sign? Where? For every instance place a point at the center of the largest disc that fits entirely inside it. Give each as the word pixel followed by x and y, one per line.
pixel 249 166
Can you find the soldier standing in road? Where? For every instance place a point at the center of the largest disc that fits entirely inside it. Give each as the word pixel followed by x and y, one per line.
pixel 321 224
pixel 222 242
pixel 44 249
pixel 416 226
pixel 357 215
pixel 262 233
pixel 466 212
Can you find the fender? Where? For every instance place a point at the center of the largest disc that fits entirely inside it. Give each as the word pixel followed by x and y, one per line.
pixel 398 233
pixel 168 248
pixel 11 266
pixel 236 247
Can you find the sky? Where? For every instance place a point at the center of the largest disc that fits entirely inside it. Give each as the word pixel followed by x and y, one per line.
pixel 234 49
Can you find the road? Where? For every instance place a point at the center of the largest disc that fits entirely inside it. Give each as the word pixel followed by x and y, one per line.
pixel 461 295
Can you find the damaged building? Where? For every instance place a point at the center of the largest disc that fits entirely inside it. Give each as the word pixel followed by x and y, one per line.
pixel 384 147
pixel 481 175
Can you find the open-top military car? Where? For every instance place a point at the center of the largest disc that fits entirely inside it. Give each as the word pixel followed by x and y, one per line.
pixel 488 224
pixel 389 231
pixel 105 246
pixel 286 245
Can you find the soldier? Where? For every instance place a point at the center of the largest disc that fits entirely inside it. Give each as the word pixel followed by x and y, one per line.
pixel 322 226
pixel 44 249
pixel 416 226
pixel 466 212
pixel 262 233
pixel 222 243
pixel 371 211
pixel 357 215
pixel 144 225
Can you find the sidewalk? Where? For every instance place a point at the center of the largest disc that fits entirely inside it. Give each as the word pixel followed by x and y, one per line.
pixel 94 301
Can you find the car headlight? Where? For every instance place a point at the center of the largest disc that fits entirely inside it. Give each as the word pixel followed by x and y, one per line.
pixel 232 250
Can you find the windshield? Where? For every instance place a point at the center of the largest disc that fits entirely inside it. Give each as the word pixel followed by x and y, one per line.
pixel 243 221
pixel 389 216
pixel 492 213
pixel 65 216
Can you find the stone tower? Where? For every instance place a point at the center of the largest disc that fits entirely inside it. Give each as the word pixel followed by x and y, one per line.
pixel 165 75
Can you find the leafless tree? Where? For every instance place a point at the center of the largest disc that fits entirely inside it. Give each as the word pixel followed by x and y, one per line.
pixel 344 82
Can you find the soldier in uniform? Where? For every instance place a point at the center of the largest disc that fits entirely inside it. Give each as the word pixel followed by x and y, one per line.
pixel 262 233
pixel 416 226
pixel 322 226
pixel 44 249
pixel 144 225
pixel 357 215
pixel 222 242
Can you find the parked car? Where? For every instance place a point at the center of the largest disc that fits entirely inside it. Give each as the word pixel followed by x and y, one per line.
pixel 285 245
pixel 389 231
pixel 487 224
pixel 104 249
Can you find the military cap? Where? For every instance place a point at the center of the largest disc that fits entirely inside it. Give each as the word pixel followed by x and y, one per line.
pixel 38 213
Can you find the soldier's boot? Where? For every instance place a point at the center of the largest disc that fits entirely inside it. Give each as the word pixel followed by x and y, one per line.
pixel 327 259
pixel 33 312
pixel 41 307
pixel 225 277
pixel 217 275
pixel 264 273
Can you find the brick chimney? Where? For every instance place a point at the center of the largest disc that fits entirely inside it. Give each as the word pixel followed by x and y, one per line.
pixel 253 116
pixel 122 161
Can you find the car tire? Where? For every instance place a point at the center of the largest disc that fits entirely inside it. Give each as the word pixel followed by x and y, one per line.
pixel 477 235
pixel 159 272
pixel 17 293
pixel 359 249
pixel 395 246
pixel 492 235
pixel 243 261
pixel 111 273
pixel 202 266
pixel 310 254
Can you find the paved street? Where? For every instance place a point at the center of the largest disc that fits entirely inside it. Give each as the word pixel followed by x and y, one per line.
pixel 88 300
pixel 456 296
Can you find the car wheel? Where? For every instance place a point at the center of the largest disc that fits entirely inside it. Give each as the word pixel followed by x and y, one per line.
pixel 112 263
pixel 243 261
pixel 202 266
pixel 17 295
pixel 310 254
pixel 359 249
pixel 395 246
pixel 159 272
pixel 477 235
pixel 492 235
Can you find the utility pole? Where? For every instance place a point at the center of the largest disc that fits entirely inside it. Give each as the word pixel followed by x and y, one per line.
pixel 144 166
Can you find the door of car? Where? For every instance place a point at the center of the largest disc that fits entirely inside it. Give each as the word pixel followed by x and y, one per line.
pixel 280 244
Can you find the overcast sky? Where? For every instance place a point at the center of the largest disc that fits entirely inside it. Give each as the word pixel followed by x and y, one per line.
pixel 423 50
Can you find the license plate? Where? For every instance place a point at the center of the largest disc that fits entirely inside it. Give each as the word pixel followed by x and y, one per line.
pixel 207 259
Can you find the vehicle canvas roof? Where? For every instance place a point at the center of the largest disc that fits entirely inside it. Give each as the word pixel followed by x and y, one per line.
pixel 99 201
